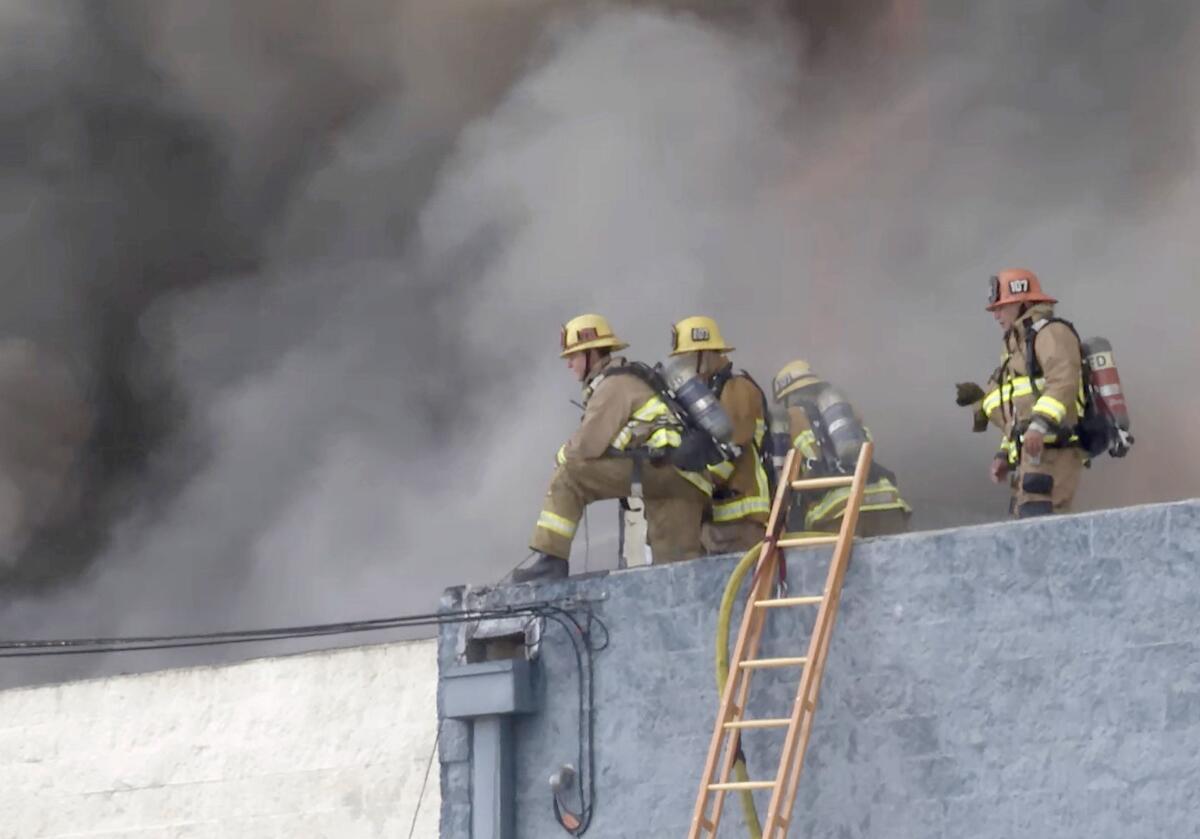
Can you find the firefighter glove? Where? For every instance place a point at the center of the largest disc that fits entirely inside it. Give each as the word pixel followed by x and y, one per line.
pixel 967 393
pixel 999 467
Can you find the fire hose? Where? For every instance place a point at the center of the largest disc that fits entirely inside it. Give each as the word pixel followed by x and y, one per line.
pixel 732 588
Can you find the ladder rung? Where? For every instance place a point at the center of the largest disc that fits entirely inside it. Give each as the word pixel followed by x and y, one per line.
pixel 781 722
pixel 772 662
pixel 807 541
pixel 823 483
pixel 743 785
pixel 805 600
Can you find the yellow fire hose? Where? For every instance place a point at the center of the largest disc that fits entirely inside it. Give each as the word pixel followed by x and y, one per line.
pixel 728 599
pixel 747 562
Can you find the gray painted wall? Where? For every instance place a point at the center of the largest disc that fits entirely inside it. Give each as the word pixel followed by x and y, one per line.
pixel 1015 680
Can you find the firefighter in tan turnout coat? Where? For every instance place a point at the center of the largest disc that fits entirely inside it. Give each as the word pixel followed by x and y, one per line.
pixel 828 433
pixel 620 450
pixel 1037 411
pixel 741 491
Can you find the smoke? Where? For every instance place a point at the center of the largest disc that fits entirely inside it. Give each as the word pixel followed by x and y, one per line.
pixel 326 255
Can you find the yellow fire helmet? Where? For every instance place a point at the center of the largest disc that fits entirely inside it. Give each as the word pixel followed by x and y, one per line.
pixel 588 332
pixel 697 333
pixel 794 375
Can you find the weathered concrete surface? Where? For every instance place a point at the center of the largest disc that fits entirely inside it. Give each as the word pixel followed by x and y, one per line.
pixel 331 744
pixel 1026 679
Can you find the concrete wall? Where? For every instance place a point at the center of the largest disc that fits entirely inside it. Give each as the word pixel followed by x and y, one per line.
pixel 1025 679
pixel 331 744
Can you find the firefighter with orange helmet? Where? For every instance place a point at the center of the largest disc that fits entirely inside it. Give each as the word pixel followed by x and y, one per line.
pixel 1036 397
pixel 741 500
pixel 622 449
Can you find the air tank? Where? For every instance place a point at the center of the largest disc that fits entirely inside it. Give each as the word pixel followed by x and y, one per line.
pixel 697 398
pixel 1106 381
pixel 841 426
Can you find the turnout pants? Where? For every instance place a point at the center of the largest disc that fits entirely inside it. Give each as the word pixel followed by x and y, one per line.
pixel 731 536
pixel 870 523
pixel 1047 487
pixel 674 507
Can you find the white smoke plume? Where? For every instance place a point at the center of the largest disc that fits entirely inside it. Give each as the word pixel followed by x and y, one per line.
pixel 364 389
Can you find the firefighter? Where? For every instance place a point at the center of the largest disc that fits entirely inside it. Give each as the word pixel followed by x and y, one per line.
pixel 829 434
pixel 1037 410
pixel 621 449
pixel 741 500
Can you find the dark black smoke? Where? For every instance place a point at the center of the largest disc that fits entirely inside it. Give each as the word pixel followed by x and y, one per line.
pixel 306 261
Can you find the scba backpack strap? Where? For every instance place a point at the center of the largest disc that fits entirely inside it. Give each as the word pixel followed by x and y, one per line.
pixel 722 377
pixel 697 449
pixel 826 466
pixel 1094 428
pixel 766 450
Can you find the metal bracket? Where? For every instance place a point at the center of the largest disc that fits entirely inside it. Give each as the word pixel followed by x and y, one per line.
pixel 489 694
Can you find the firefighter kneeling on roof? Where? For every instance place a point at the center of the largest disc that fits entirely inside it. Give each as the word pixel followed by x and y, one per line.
pixel 1036 397
pixel 741 499
pixel 829 436
pixel 623 448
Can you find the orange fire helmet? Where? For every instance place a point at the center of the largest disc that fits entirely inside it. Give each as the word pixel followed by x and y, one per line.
pixel 1016 285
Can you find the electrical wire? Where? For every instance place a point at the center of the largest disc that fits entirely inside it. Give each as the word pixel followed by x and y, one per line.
pixel 412 830
pixel 584 649
pixel 85 646
pixel 579 634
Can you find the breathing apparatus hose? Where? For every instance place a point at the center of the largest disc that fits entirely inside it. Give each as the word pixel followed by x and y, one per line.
pixel 728 599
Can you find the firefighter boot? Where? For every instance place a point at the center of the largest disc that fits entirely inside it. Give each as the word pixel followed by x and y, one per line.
pixel 545 567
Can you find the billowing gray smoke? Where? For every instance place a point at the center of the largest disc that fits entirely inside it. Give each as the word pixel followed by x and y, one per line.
pixel 311 283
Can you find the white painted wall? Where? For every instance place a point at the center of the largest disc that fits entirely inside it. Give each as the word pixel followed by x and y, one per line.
pixel 330 744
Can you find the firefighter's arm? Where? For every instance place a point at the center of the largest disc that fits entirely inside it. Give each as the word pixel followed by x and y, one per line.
pixel 990 408
pixel 606 413
pixel 1057 352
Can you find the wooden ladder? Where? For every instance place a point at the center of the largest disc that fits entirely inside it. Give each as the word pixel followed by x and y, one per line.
pixel 731 721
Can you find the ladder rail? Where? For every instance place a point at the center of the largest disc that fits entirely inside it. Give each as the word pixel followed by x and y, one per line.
pixel 731 738
pixel 849 527
pixel 746 646
pixel 806 724
pixel 796 740
pixel 793 784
